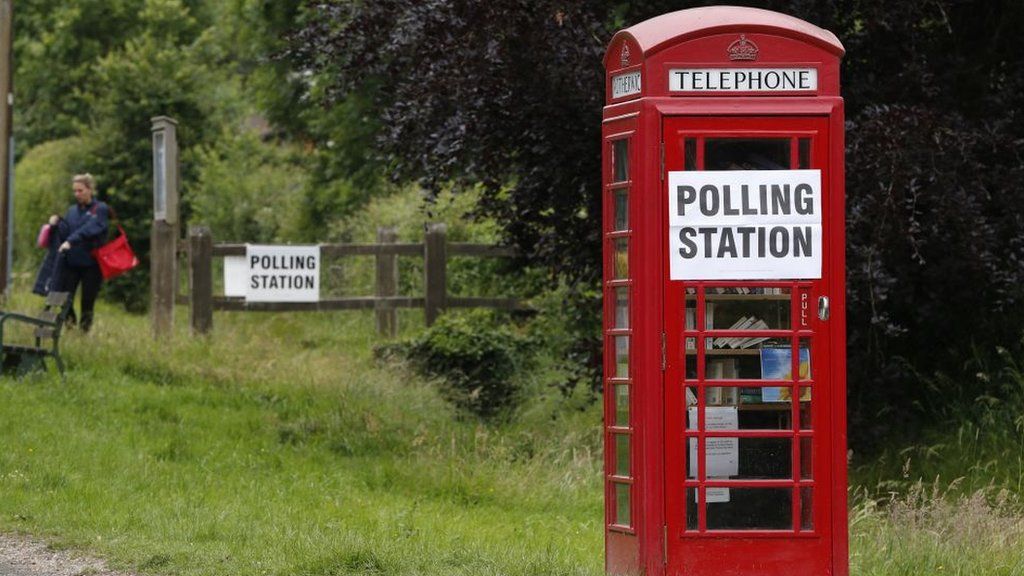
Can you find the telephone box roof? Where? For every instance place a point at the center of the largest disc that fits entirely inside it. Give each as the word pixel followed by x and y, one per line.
pixel 668 29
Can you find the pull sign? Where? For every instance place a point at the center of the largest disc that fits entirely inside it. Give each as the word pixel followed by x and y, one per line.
pixel 804 294
pixel 744 224
pixel 743 80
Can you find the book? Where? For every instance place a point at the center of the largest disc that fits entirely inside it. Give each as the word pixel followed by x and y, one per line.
pixel 722 341
pixel 753 341
pixel 777 364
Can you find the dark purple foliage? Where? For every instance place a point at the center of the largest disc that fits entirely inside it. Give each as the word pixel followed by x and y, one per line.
pixel 507 95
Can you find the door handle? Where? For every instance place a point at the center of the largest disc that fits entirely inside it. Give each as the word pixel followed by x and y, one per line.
pixel 823 308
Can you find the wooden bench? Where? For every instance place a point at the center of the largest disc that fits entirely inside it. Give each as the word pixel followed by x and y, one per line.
pixel 20 359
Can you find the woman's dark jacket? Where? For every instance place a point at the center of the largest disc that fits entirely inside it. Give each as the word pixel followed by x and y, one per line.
pixel 85 228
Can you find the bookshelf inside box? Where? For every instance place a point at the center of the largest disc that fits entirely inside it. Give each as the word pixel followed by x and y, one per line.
pixel 740 297
pixel 725 310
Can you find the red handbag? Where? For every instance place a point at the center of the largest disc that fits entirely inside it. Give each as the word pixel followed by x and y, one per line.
pixel 115 257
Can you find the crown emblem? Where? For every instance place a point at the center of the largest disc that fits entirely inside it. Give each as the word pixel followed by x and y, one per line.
pixel 742 49
pixel 624 56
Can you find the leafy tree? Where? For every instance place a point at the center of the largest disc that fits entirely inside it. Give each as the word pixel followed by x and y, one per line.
pixel 56 44
pixel 152 74
pixel 248 191
pixel 507 95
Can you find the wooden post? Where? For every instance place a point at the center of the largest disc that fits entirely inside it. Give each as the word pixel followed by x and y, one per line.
pixel 387 285
pixel 164 238
pixel 161 277
pixel 200 284
pixel 435 273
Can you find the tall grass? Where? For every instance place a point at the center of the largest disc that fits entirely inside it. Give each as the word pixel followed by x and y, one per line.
pixel 937 529
pixel 278 446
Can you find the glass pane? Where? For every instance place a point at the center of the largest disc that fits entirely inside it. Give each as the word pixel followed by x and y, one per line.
pixel 807 508
pixel 751 415
pixel 748 358
pixel 621 356
pixel 622 307
pixel 806 458
pixel 805 359
pixel 747 154
pixel 805 153
pixel 621 254
pixel 690 152
pixel 764 458
pixel 805 408
pixel 622 405
pixel 752 509
pixel 744 308
pixel 691 363
pixel 622 455
pixel 620 160
pixel 741 458
pixel 159 173
pixel 691 407
pixel 691 318
pixel 691 509
pixel 621 197
pixel 622 505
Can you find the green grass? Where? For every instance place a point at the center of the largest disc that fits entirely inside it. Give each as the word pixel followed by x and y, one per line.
pixel 277 446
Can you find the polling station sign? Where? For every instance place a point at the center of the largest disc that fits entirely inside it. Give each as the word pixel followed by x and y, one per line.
pixel 282 273
pixel 744 224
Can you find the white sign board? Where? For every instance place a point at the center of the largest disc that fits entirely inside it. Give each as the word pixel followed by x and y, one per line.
pixel 744 224
pixel 743 80
pixel 626 84
pixel 721 455
pixel 282 273
pixel 236 274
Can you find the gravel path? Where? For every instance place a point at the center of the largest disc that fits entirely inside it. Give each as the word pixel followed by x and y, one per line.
pixel 21 556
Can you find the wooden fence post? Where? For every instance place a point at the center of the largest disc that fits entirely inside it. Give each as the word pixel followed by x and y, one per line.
pixel 200 257
pixel 387 285
pixel 162 278
pixel 435 273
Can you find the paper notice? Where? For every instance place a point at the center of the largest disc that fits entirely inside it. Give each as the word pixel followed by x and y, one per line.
pixel 721 454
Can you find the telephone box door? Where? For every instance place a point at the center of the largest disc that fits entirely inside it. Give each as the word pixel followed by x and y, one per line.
pixel 748 430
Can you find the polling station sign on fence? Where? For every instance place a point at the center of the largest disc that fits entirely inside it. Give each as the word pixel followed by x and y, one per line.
pixel 282 273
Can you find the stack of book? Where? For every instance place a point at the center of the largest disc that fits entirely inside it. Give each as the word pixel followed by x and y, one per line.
pixel 744 323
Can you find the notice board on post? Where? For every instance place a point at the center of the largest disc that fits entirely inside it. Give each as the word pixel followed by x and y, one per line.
pixel 744 224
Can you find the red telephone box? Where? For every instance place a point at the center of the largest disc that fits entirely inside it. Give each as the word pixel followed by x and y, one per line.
pixel 724 282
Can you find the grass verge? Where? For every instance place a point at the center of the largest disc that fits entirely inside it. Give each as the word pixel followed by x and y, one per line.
pixel 277 447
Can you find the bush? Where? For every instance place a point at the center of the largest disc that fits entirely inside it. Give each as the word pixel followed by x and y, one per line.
pixel 248 191
pixel 475 356
pixel 934 251
pixel 43 187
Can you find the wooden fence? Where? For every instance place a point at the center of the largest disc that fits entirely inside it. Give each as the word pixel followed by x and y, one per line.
pixel 435 251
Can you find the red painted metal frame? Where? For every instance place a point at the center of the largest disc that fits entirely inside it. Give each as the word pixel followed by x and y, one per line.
pixel 779 551
pixel 695 38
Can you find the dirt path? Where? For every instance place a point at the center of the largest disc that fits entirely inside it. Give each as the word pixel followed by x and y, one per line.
pixel 21 556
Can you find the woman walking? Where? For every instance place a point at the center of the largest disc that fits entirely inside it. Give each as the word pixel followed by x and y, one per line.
pixel 82 229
